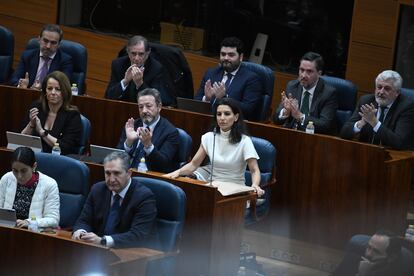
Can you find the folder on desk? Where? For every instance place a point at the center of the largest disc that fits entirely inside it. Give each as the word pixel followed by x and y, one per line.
pixel 15 140
pixel 228 188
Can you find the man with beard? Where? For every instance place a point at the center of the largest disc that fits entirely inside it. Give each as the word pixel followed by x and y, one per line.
pixel 385 117
pixel 382 256
pixel 151 136
pixel 232 79
pixel 309 98
pixel 36 64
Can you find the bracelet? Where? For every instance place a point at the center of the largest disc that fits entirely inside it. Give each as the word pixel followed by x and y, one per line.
pixel 45 133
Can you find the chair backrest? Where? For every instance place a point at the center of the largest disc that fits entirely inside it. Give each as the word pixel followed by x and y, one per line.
pixel 267 155
pixel 72 177
pixel 86 134
pixel 6 53
pixel 267 78
pixel 79 56
pixel 408 92
pixel 185 147
pixel 347 97
pixel 171 206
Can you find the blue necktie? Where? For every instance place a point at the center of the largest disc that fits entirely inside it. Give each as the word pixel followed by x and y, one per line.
pixel 113 216
pixel 139 153
pixel 228 81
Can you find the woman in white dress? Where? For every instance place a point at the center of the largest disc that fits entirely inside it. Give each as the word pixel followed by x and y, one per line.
pixel 232 149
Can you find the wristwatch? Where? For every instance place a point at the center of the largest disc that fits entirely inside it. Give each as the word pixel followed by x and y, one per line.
pixel 103 241
pixel 45 133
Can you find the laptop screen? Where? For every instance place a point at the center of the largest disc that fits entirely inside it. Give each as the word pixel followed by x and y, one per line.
pixel 194 105
pixel 15 140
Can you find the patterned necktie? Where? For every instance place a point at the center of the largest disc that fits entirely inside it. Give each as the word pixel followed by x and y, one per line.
pixel 44 69
pixel 228 81
pixel 113 216
pixel 305 103
pixel 376 139
pixel 139 153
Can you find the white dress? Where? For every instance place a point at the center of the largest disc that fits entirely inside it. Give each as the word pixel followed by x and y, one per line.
pixel 229 159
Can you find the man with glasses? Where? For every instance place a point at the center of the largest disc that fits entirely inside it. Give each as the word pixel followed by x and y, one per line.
pixel 135 72
pixel 35 64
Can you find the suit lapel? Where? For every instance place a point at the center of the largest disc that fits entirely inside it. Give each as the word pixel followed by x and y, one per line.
pixel 316 96
pixel 34 64
pixel 106 207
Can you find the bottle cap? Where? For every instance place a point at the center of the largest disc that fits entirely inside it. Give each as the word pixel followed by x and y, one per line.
pixel 142 160
pixel 57 144
pixel 74 85
pixel 33 217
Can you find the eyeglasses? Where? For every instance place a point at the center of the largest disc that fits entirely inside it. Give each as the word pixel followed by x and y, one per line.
pixel 47 41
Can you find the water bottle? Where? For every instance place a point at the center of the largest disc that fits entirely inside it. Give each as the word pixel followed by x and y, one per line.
pixel 74 89
pixel 409 233
pixel 310 128
pixel 56 149
pixel 33 225
pixel 142 166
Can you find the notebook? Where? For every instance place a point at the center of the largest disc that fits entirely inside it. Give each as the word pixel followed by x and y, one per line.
pixel 15 140
pixel 7 217
pixel 98 153
pixel 194 105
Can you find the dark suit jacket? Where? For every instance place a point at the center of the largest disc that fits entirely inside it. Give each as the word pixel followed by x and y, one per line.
pixel 67 128
pixel 153 76
pixel 397 130
pixel 29 62
pixel 138 212
pixel 322 110
pixel 164 156
pixel 245 87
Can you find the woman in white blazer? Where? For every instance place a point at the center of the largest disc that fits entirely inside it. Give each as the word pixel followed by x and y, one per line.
pixel 30 193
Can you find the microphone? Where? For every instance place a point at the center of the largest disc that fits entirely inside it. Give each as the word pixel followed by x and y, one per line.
pixel 212 156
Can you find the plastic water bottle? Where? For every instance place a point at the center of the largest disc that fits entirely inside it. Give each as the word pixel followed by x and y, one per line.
pixel 142 166
pixel 56 149
pixel 310 128
pixel 33 225
pixel 74 89
pixel 409 233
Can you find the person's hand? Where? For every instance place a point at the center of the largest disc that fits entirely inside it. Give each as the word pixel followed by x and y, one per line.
pixel 208 92
pixel 219 90
pixel 173 174
pixel 37 85
pixel 22 223
pixel 361 123
pixel 294 109
pixel 128 75
pixel 145 136
pixel 368 112
pixel 78 234
pixel 138 76
pixel 131 134
pixel 24 83
pixel 259 191
pixel 34 119
pixel 90 237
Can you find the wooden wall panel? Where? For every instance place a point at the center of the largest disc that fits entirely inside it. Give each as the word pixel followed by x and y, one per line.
pixel 365 62
pixel 41 11
pixel 199 66
pixel 374 22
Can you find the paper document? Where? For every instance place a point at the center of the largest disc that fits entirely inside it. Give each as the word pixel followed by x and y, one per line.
pixel 228 188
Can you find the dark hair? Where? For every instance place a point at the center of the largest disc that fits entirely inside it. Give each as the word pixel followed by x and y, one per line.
pixel 238 127
pixel 64 89
pixel 150 92
pixel 123 156
pixel 137 39
pixel 52 28
pixel 24 155
pixel 314 57
pixel 394 246
pixel 233 42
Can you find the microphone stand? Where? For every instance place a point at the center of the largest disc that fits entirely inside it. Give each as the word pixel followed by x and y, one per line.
pixel 212 156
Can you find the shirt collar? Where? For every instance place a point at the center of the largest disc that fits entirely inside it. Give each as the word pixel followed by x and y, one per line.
pixel 152 125
pixel 51 56
pixel 312 90
pixel 124 190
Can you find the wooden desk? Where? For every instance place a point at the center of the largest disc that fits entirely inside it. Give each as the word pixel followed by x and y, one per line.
pixel 27 253
pixel 328 188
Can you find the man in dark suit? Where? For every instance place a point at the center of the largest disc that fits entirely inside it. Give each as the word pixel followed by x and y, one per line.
pixel 135 72
pixel 118 212
pixel 384 118
pixel 35 64
pixel 308 98
pixel 151 136
pixel 232 79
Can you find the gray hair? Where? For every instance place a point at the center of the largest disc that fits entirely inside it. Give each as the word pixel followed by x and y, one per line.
pixel 137 39
pixel 151 92
pixel 389 75
pixel 123 156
